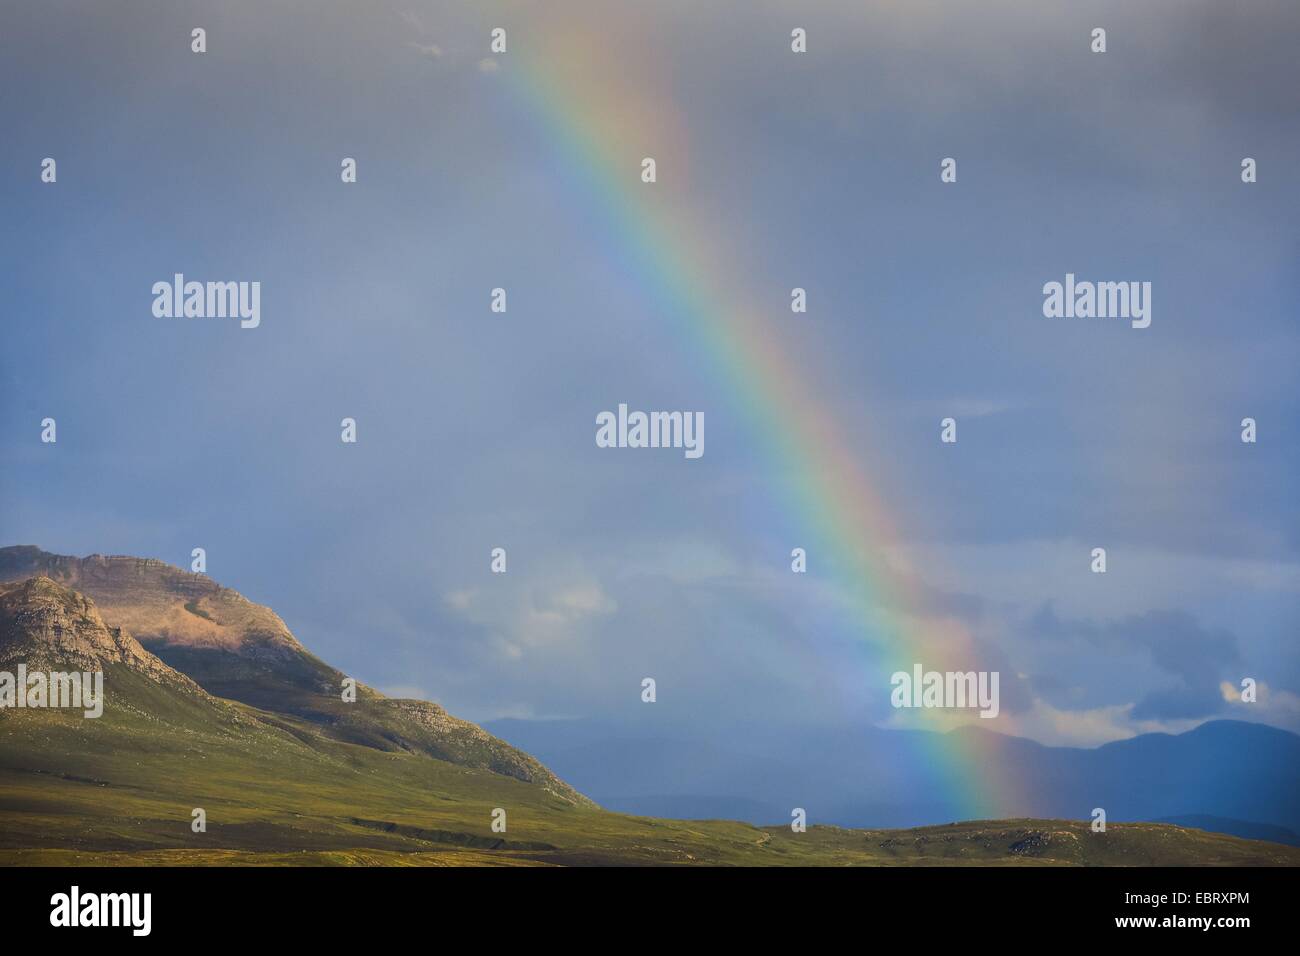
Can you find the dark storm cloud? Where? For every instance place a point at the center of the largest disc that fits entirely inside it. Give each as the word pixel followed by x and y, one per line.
pixel 1200 658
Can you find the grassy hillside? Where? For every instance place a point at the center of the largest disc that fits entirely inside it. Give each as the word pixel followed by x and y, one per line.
pixel 121 790
pixel 188 625
pixel 282 788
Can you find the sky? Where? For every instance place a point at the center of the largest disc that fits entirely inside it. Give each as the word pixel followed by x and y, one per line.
pixel 476 430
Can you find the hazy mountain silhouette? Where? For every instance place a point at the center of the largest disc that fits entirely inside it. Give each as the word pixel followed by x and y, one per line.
pixel 1229 776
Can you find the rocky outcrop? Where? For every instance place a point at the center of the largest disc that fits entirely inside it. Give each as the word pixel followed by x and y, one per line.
pixel 235 649
pixel 43 623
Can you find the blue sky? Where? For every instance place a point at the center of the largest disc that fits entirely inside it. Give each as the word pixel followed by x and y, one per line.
pixel 477 430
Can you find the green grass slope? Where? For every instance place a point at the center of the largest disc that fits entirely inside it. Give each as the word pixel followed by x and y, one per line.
pixel 242 651
pixel 121 789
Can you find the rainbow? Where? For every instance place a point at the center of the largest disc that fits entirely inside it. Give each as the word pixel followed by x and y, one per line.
pixel 597 130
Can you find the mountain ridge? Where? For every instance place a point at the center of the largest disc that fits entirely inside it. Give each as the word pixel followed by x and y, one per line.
pixel 1243 773
pixel 45 623
pixel 237 650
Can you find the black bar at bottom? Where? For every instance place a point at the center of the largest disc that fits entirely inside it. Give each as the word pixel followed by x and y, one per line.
pixel 233 905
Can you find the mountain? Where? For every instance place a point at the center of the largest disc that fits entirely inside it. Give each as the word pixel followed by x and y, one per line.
pixel 130 779
pixel 1229 776
pixel 43 624
pixel 48 629
pixel 289 787
pixel 1239 828
pixel 241 651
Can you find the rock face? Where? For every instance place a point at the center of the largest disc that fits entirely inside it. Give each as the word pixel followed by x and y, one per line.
pixel 167 608
pixel 235 649
pixel 45 624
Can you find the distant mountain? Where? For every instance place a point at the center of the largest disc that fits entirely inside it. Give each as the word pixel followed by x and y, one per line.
pixel 241 651
pixel 1238 828
pixel 1228 775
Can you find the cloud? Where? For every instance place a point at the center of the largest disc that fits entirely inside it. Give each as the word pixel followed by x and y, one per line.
pixel 1180 700
pixel 459 600
pixel 422 47
pixel 544 613
pixel 580 601
pixel 1271 705
pixel 1175 642
pixel 1089 727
